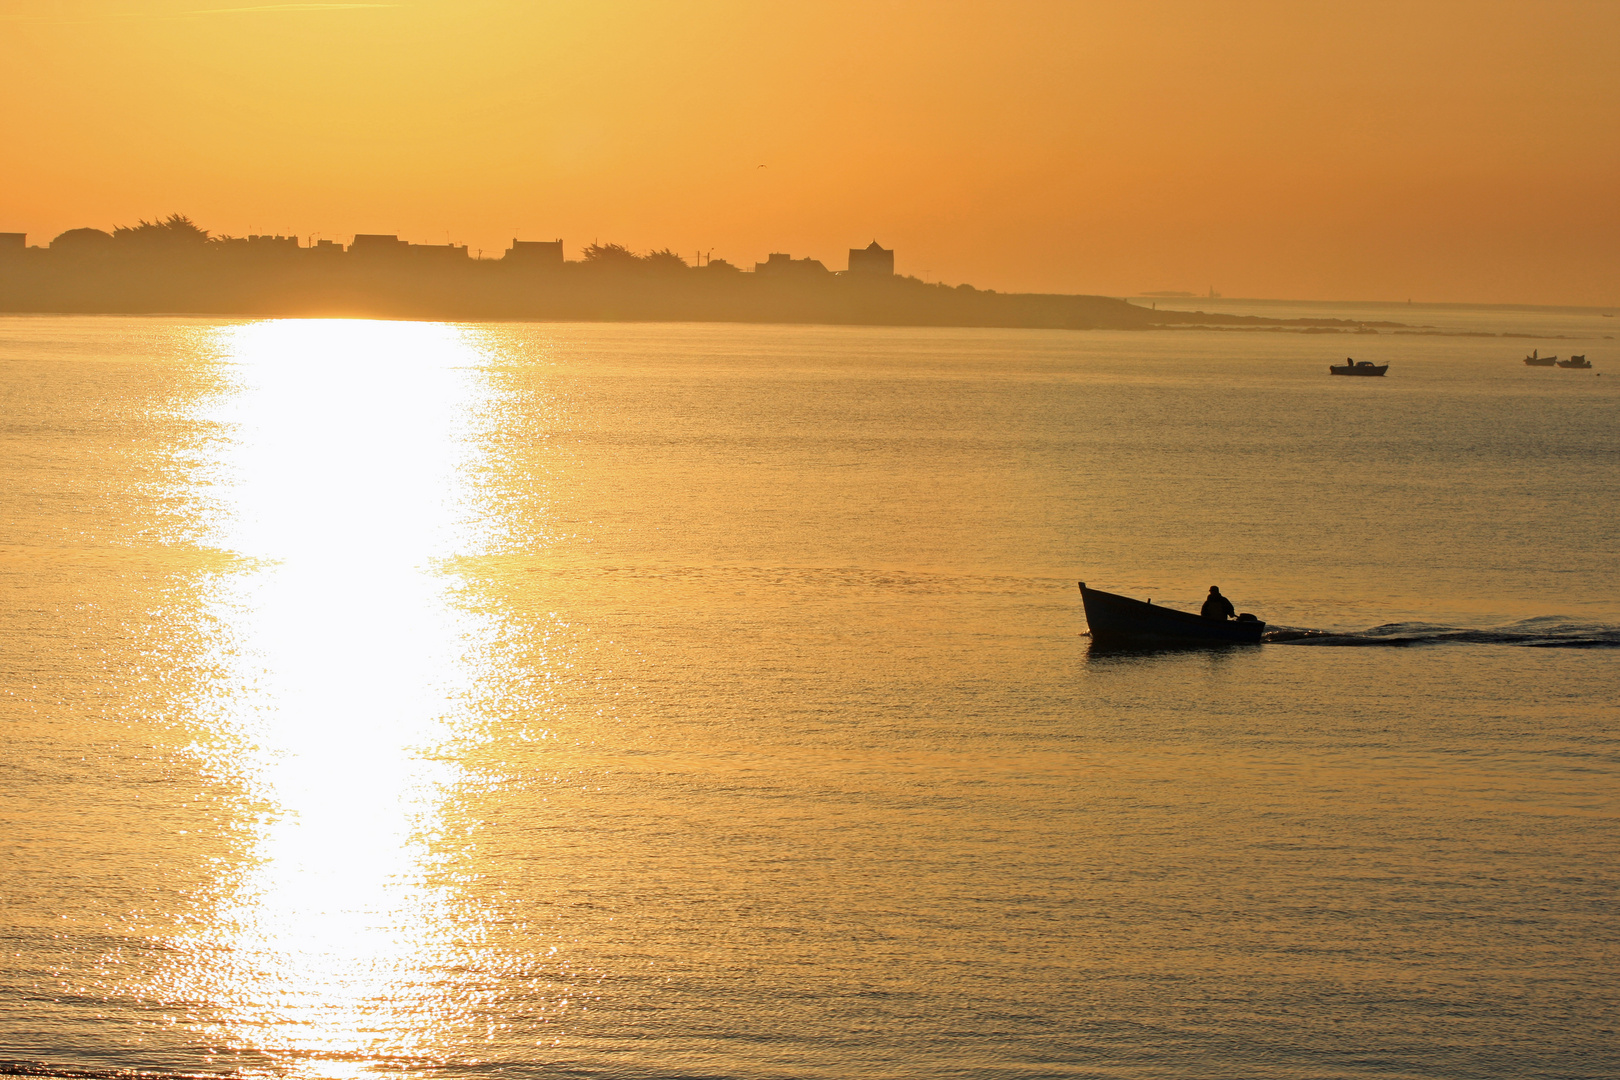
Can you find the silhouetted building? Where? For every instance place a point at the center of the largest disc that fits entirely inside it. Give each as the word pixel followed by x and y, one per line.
pixel 328 247
pixel 259 245
pixel 438 251
pixel 535 253
pixel 372 244
pixel 784 265
pixel 872 259
pixel 13 243
pixel 382 245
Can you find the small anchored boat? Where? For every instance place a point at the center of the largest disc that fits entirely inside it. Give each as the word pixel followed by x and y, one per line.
pixel 1357 367
pixel 1540 361
pixel 1575 361
pixel 1119 620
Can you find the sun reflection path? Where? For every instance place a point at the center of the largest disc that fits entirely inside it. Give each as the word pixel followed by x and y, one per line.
pixel 347 481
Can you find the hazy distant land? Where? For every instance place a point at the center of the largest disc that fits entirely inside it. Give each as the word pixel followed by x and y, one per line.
pixel 172 266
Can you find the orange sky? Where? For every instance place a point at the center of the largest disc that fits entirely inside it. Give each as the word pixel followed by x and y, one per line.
pixel 1439 151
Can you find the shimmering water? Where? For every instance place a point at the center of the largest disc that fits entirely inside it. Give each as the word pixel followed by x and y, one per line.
pixel 707 701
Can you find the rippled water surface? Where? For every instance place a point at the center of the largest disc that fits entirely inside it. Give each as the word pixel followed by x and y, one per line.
pixel 714 701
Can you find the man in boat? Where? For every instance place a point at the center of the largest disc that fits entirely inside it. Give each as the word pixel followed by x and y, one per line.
pixel 1217 606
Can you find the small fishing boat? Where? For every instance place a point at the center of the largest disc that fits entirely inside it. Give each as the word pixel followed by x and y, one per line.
pixel 1575 361
pixel 1540 361
pixel 1119 620
pixel 1355 367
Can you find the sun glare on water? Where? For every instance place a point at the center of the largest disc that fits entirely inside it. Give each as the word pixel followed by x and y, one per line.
pixel 349 663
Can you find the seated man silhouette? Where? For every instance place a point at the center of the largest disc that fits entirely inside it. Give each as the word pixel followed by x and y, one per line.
pixel 1217 606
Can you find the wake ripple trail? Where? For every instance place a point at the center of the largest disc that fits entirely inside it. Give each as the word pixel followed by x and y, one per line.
pixel 1545 632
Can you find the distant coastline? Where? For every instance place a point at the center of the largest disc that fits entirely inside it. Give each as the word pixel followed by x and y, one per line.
pixel 172 266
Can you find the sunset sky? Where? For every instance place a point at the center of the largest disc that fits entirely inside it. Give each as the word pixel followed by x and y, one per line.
pixel 1439 151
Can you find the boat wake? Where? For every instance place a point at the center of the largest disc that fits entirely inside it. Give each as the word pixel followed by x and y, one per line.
pixel 1546 632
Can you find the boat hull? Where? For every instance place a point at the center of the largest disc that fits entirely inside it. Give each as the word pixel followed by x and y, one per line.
pixel 1119 620
pixel 1541 361
pixel 1577 363
pixel 1357 369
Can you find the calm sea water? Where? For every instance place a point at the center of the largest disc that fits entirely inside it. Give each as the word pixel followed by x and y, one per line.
pixel 714 701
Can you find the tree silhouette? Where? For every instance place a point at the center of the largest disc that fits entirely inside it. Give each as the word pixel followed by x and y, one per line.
pixel 610 255
pixel 174 231
pixel 82 240
pixel 664 259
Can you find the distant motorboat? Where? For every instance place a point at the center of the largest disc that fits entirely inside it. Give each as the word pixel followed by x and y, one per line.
pixel 1540 361
pixel 1119 620
pixel 1357 367
pixel 1575 361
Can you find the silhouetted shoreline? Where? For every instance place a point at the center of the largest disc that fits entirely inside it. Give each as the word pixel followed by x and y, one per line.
pixel 173 267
